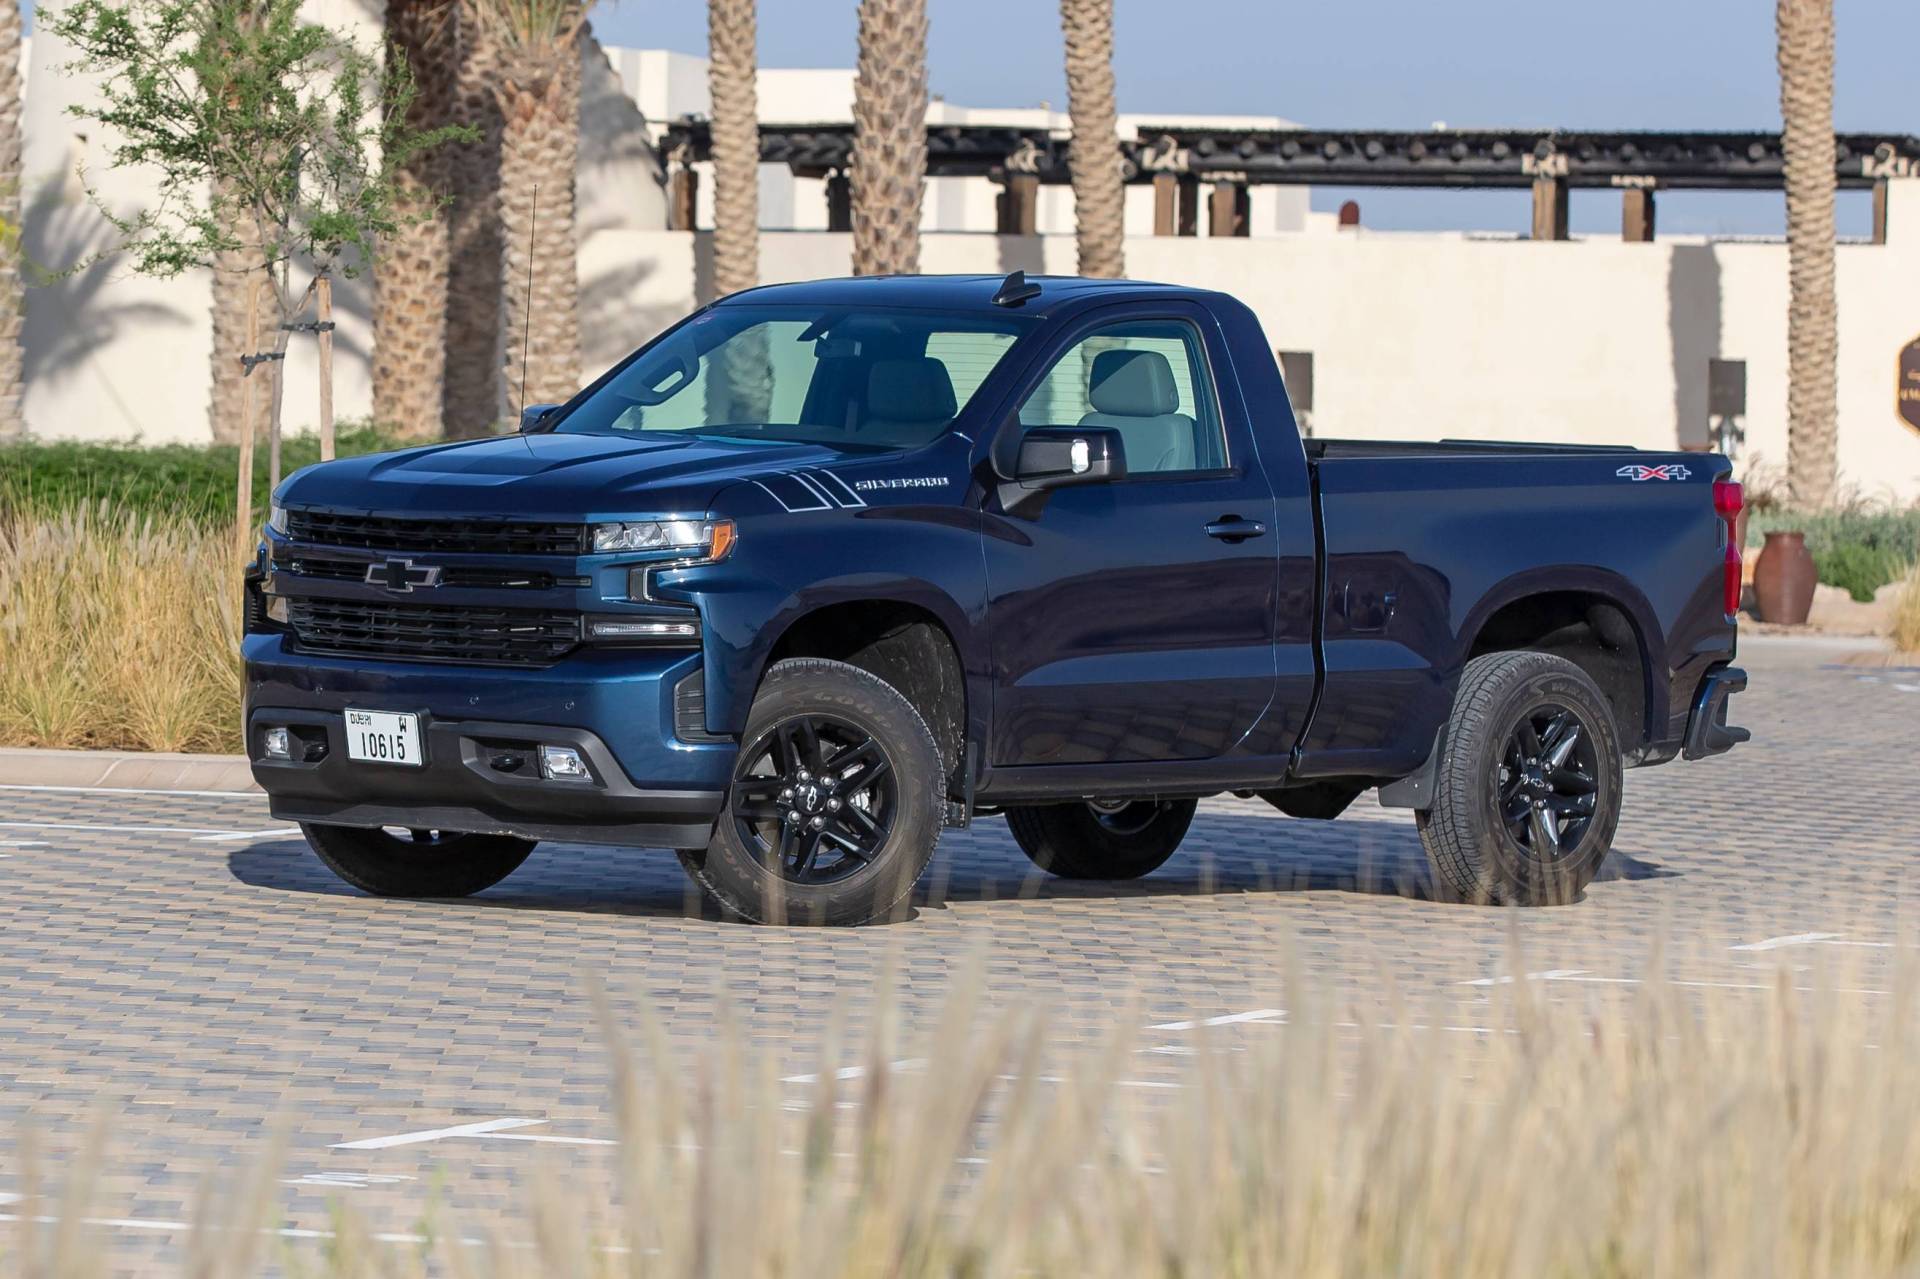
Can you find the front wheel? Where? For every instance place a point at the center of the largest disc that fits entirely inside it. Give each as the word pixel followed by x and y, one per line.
pixel 1527 787
pixel 416 863
pixel 835 803
pixel 1102 839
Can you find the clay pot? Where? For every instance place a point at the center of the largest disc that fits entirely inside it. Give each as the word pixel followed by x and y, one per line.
pixel 1784 579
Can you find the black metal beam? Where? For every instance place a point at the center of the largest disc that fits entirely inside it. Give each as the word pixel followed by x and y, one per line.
pixel 1496 158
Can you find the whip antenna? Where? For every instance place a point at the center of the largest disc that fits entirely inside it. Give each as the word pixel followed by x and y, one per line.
pixel 526 319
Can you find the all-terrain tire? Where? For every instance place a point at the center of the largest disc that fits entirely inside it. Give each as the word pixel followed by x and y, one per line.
pixel 1082 841
pixel 736 872
pixel 1479 851
pixel 442 864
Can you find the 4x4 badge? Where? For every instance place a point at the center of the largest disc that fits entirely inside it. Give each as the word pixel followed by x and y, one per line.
pixel 403 576
pixel 1637 473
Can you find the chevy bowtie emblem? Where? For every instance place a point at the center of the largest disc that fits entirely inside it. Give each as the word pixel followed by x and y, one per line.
pixel 1637 473
pixel 403 575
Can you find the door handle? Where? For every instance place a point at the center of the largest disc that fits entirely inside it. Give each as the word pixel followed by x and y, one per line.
pixel 1231 528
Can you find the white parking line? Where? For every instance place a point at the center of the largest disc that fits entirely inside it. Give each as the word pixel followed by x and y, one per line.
pixel 133 790
pixel 1582 976
pixel 245 834
pixel 435 1134
pixel 1551 974
pixel 1271 1016
pixel 135 830
pixel 1811 939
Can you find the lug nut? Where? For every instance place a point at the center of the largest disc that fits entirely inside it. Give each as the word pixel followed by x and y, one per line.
pixel 793 815
pixel 833 804
pixel 804 776
pixel 817 822
pixel 786 795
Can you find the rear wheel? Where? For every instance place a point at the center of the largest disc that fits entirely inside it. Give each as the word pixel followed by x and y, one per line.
pixel 416 863
pixel 1102 839
pixel 1527 792
pixel 835 802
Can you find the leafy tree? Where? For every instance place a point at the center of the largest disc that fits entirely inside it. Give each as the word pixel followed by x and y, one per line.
pixel 275 140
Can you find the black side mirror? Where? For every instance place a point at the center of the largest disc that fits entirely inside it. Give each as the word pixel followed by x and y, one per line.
pixel 530 415
pixel 1054 457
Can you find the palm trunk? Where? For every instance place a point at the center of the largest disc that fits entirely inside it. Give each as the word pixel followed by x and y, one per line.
pixel 1099 196
pixel 410 268
pixel 736 145
pixel 234 273
pixel 1813 344
pixel 540 143
pixel 474 285
pixel 11 315
pixel 889 167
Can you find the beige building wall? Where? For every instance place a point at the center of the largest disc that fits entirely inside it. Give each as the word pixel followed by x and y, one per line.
pixel 1434 336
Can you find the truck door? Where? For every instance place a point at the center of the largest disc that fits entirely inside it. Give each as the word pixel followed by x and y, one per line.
pixel 1135 620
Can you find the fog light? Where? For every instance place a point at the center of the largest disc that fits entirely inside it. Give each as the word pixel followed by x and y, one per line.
pixel 279 744
pixel 563 764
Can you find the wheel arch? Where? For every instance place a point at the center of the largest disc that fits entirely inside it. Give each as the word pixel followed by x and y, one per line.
pixel 1593 617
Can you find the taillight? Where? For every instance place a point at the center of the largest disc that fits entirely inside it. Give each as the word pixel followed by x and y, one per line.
pixel 1728 499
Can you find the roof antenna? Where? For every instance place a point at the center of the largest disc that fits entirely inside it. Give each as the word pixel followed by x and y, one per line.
pixel 526 317
pixel 1015 290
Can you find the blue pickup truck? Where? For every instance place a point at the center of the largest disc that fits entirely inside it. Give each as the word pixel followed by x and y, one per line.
pixel 827 567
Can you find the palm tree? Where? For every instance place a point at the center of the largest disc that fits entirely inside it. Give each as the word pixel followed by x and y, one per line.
pixel 11 352
pixel 1099 198
pixel 889 168
pixel 410 272
pixel 736 144
pixel 474 254
pixel 538 89
pixel 1805 30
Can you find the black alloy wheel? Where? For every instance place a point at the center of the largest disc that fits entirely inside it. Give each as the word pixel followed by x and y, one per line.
pixel 1548 781
pixel 815 797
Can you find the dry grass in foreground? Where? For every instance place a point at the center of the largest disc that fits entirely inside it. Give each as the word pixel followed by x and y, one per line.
pixel 117 630
pixel 1906 613
pixel 1760 1133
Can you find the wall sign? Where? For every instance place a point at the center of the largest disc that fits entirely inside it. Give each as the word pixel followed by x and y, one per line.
pixel 1906 395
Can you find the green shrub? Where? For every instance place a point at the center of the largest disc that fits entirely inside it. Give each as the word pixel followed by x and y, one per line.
pixel 1859 548
pixel 187 481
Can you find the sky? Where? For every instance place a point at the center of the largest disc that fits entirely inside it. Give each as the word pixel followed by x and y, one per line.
pixel 1596 64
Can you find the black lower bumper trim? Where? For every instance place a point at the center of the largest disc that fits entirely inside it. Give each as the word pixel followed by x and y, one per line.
pixel 1708 732
pixel 482 777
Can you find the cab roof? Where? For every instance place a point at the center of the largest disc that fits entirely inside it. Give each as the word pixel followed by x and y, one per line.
pixel 953 292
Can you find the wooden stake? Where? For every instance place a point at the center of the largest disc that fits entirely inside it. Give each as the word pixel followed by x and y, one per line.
pixel 243 500
pixel 323 311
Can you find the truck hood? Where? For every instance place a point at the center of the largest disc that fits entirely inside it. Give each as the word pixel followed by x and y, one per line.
pixel 563 478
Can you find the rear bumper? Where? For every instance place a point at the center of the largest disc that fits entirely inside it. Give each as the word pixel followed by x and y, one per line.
pixel 1708 732
pixel 480 732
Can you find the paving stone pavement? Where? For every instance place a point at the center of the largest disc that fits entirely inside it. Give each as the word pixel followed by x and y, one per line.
pixel 183 969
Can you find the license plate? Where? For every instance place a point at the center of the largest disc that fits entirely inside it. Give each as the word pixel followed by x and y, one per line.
pixel 383 737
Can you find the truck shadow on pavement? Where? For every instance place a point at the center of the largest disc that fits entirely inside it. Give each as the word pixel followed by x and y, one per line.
pixel 1224 854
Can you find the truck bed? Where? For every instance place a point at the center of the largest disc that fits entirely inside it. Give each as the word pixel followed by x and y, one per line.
pixel 1319 449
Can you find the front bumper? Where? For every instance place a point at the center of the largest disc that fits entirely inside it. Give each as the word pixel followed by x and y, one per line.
pixel 480 732
pixel 1708 732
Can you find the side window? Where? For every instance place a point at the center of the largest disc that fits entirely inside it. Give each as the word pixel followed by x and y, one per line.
pixel 1148 381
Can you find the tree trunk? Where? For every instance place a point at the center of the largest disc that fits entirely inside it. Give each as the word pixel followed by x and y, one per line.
pixel 736 145
pixel 474 284
pixel 1806 109
pixel 1099 195
pixel 889 166
pixel 11 312
pixel 410 265
pixel 234 273
pixel 540 144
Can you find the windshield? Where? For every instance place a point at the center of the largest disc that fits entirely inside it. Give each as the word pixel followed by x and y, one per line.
pixel 859 379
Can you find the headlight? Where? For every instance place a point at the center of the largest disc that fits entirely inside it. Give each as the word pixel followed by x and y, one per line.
pixel 675 539
pixel 277 518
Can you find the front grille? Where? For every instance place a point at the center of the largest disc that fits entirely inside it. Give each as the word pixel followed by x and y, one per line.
pixel 475 537
pixel 490 636
pixel 483 578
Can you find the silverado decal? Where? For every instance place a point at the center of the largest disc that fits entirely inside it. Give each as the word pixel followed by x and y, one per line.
pixel 907 482
pixel 1637 473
